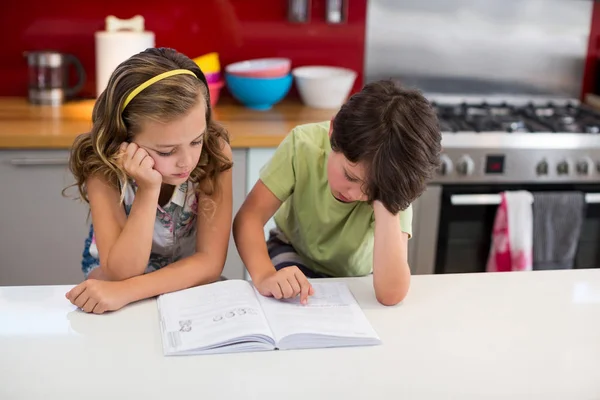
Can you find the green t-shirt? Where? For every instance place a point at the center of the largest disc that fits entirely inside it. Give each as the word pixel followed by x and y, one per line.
pixel 331 237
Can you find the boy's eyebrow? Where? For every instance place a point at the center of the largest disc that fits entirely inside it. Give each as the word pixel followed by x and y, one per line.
pixel 351 176
pixel 175 145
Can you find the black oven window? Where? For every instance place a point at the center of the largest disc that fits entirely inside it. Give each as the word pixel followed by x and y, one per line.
pixel 464 234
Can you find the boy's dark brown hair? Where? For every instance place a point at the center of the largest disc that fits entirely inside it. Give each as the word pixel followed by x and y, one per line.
pixel 395 132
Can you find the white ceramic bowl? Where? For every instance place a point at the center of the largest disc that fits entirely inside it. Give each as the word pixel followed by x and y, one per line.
pixel 324 86
pixel 261 68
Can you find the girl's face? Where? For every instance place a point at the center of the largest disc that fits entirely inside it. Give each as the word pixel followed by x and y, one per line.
pixel 175 146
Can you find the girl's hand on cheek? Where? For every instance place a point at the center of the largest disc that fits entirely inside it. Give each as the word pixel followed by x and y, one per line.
pixel 139 165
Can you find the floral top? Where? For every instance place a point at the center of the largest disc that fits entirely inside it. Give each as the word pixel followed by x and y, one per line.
pixel 174 229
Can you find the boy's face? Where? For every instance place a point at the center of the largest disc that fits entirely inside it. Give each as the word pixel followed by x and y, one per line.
pixel 346 179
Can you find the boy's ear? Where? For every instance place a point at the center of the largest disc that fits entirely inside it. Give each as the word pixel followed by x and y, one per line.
pixel 331 126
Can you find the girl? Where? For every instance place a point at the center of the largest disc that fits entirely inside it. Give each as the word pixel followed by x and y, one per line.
pixel 156 172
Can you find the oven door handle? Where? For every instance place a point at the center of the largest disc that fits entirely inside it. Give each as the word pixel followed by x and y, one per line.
pixel 494 199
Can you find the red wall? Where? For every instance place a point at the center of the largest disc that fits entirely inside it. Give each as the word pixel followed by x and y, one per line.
pixel 237 29
pixel 590 79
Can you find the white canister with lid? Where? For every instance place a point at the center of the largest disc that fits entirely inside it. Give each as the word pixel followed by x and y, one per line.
pixel 121 39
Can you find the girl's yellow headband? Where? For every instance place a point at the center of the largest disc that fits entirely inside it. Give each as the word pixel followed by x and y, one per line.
pixel 151 81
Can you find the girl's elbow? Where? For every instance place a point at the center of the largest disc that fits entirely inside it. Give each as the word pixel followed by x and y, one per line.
pixel 113 274
pixel 216 271
pixel 118 271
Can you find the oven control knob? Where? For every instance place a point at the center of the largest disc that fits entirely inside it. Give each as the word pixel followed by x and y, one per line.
pixel 445 165
pixel 562 168
pixel 542 168
pixel 584 166
pixel 465 165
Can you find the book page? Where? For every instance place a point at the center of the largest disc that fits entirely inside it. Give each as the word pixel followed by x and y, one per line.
pixel 331 311
pixel 210 315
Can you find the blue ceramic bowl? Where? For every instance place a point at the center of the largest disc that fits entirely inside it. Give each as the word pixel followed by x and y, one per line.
pixel 258 93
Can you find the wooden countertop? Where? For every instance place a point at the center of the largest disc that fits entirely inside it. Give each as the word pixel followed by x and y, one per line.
pixel 27 126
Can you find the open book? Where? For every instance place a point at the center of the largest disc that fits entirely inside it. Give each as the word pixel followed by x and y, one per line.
pixel 231 316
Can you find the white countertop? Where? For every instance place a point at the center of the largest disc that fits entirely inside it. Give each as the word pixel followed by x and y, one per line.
pixel 522 335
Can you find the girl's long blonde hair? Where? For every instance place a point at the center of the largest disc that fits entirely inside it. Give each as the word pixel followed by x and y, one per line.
pixel 97 152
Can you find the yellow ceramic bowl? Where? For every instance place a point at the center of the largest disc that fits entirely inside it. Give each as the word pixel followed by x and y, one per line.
pixel 209 63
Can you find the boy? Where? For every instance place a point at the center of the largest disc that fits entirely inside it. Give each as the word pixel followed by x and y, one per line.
pixel 342 192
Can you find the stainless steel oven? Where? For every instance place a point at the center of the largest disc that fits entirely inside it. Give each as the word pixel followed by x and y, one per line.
pixel 501 74
pixel 544 147
pixel 459 240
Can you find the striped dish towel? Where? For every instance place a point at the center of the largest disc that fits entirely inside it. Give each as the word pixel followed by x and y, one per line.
pixel 557 221
pixel 511 245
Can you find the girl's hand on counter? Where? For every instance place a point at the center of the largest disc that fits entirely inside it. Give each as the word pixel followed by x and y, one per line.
pixel 97 296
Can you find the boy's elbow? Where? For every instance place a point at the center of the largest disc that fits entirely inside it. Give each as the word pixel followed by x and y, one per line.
pixel 391 298
pixel 238 222
pixel 243 223
pixel 392 289
pixel 235 225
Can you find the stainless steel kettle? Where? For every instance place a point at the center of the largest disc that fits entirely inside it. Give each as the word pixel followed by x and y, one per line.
pixel 49 73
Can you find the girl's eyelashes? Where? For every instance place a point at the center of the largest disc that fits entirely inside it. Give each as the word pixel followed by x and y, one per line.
pixel 165 154
pixel 194 143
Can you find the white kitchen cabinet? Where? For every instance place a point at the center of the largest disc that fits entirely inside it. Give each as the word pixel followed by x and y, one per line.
pixel 234 268
pixel 41 233
pixel 257 158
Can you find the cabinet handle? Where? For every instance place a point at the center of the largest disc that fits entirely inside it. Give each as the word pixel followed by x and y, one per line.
pixel 39 161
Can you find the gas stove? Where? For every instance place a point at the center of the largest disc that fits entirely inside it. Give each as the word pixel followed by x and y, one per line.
pixel 545 141
pixel 530 118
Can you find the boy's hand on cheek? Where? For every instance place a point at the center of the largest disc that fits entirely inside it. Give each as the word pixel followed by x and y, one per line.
pixel 380 209
pixel 286 283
